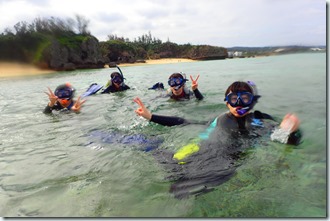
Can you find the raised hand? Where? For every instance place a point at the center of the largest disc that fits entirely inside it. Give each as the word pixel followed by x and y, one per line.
pixel 142 110
pixel 77 105
pixel 194 84
pixel 52 97
pixel 290 123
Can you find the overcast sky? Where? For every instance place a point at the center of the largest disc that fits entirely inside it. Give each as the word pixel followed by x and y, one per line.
pixel 224 23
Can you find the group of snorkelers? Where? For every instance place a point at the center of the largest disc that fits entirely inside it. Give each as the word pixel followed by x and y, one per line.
pixel 62 98
pixel 240 121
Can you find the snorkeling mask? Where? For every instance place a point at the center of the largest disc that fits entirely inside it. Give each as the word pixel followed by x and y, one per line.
pixel 117 80
pixel 65 92
pixel 176 82
pixel 243 100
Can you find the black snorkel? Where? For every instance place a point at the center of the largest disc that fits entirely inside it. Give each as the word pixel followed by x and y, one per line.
pixel 114 65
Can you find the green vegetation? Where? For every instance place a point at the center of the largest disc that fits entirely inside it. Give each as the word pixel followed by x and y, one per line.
pixel 149 47
pixel 73 41
pixel 28 41
pixel 55 43
pixel 38 56
pixel 40 41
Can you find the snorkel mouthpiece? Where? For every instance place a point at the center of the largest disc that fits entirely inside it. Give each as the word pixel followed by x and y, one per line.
pixel 242 111
pixel 178 87
pixel 64 102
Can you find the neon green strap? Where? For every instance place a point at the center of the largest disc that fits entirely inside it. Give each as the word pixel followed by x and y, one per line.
pixel 186 151
pixel 191 148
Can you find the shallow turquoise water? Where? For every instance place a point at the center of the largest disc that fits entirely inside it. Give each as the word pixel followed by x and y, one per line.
pixel 52 167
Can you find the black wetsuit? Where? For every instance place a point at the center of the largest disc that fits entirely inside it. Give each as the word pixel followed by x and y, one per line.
pixel 186 95
pixel 57 106
pixel 215 162
pixel 112 89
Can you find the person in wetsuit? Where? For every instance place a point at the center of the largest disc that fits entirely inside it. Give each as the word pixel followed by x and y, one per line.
pixel 115 84
pixel 211 160
pixel 62 99
pixel 178 89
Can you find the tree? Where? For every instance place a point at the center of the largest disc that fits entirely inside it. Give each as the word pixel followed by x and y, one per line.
pixel 82 25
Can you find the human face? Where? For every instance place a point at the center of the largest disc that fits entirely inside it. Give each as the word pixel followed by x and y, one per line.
pixel 235 110
pixel 238 102
pixel 176 84
pixel 64 93
pixel 175 81
pixel 117 80
pixel 239 99
pixel 65 102
pixel 177 92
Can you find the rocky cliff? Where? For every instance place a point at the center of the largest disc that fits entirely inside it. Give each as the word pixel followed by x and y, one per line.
pixel 206 52
pixel 83 53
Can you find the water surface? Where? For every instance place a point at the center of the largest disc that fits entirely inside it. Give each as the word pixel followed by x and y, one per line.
pixel 52 166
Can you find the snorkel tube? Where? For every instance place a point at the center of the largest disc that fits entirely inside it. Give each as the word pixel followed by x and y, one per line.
pixel 114 65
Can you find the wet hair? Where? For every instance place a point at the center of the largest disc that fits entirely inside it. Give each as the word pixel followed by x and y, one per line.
pixel 176 75
pixel 239 86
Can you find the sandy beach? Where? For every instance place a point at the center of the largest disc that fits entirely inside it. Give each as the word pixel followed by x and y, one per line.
pixel 161 61
pixel 12 69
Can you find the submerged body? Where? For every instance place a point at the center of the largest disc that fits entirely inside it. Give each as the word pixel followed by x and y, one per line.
pixel 178 89
pixel 211 159
pixel 62 99
pixel 115 84
pixel 112 88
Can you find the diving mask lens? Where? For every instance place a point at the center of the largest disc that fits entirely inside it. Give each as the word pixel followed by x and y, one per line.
pixel 64 94
pixel 239 99
pixel 117 80
pixel 175 82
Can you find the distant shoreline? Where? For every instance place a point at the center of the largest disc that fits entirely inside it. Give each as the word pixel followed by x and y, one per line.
pixel 14 69
pixel 158 61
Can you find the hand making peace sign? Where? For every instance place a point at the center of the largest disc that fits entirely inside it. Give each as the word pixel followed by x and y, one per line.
pixel 142 110
pixel 194 84
pixel 52 97
pixel 77 105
